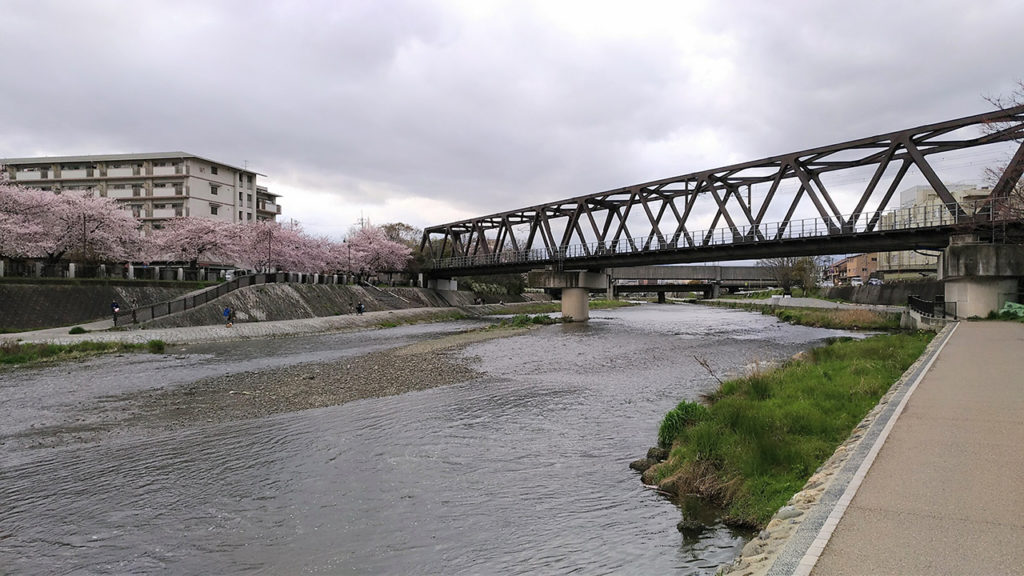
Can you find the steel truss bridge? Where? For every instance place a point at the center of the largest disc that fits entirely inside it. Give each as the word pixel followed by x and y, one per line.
pixel 829 200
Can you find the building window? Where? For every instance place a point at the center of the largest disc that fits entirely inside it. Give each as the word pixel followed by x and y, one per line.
pixel 248 198
pixel 179 189
pixel 239 215
pixel 213 169
pixel 136 191
pixel 249 216
pixel 213 189
pixel 213 209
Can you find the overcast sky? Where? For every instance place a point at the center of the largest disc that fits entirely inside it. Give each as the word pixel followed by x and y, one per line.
pixel 427 112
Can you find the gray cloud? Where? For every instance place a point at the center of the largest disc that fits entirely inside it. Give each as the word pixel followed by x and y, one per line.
pixel 487 106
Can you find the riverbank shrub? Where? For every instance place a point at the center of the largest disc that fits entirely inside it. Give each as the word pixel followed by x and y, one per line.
pixel 24 353
pixel 834 318
pixel 548 307
pixel 763 436
pixel 682 416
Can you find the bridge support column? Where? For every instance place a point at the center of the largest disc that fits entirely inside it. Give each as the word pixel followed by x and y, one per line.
pixel 575 287
pixel 980 278
pixel 443 284
pixel 661 297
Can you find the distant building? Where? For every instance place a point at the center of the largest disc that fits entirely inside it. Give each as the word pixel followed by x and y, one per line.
pixel 862 267
pixel 921 203
pixel 154 186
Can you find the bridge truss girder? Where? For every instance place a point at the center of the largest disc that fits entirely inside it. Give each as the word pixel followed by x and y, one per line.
pixel 663 212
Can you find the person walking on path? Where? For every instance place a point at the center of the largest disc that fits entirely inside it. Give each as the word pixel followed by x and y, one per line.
pixel 114 309
pixel 360 308
pixel 227 316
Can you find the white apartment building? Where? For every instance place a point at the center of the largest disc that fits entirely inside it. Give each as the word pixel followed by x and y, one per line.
pixel 154 186
pixel 923 204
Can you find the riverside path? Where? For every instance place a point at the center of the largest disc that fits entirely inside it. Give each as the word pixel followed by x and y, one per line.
pixel 945 493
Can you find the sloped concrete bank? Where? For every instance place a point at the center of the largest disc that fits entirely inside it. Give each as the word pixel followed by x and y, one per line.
pixel 35 306
pixel 271 302
pixel 39 306
pixel 894 294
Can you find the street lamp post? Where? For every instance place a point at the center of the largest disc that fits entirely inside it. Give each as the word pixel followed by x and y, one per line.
pixel 349 269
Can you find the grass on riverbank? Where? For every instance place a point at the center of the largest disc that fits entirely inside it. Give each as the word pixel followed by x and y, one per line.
pixel 835 318
pixel 548 307
pixel 19 353
pixel 762 436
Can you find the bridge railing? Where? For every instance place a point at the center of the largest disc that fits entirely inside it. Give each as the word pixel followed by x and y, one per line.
pixel 911 218
pixel 937 308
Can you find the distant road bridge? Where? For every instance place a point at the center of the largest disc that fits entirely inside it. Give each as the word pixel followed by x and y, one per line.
pixel 829 200
pixel 725 276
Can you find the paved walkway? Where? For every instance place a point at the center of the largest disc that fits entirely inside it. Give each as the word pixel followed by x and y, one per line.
pixel 945 493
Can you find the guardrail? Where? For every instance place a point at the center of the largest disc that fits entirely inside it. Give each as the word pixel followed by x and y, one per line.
pixel 937 308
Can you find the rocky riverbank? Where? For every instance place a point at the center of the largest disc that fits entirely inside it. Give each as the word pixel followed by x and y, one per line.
pixel 256 394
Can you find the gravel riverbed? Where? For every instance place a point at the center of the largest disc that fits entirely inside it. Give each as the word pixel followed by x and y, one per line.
pixel 260 393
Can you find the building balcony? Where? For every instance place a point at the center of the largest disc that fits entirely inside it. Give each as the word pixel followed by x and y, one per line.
pixel 168 170
pixel 122 172
pixel 269 208
pixel 78 173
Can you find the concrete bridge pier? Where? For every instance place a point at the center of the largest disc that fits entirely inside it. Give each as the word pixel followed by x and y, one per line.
pixel 980 277
pixel 575 286
pixel 442 284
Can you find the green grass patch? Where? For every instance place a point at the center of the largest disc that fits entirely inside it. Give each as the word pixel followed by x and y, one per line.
pixel 548 307
pixel 26 353
pixel 764 435
pixel 835 318
pixel 525 320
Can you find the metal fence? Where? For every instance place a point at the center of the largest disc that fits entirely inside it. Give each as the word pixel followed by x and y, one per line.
pixel 937 308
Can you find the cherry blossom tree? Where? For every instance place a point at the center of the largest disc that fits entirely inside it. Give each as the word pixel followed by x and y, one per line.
pixel 41 224
pixel 197 239
pixel 268 245
pixel 22 212
pixel 373 252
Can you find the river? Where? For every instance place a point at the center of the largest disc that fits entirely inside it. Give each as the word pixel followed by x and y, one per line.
pixel 522 471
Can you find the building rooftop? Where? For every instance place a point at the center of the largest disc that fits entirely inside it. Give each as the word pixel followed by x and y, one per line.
pixel 116 157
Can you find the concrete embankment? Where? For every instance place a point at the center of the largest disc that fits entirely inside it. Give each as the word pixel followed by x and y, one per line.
pixel 28 306
pixel 34 306
pixel 894 294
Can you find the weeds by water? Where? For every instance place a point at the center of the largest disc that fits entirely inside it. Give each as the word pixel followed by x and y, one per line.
pixel 21 353
pixel 762 436
pixel 548 307
pixel 835 318
pixel 525 320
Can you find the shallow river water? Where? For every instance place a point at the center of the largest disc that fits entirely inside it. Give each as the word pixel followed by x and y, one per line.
pixel 522 471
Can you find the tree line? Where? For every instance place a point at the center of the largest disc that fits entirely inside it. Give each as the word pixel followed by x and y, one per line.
pixel 84 227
